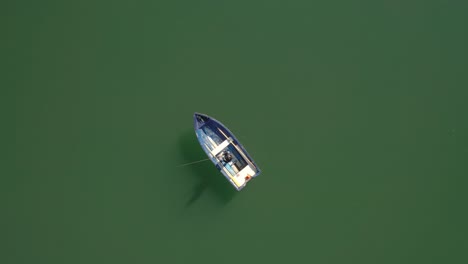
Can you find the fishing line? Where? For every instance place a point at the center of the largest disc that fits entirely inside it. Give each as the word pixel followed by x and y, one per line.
pixel 185 164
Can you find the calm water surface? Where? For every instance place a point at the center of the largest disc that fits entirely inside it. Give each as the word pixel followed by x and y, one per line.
pixel 354 111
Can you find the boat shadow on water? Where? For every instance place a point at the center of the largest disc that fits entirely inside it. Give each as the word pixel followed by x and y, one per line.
pixel 208 177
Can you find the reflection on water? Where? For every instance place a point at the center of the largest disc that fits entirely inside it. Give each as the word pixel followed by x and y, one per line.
pixel 208 177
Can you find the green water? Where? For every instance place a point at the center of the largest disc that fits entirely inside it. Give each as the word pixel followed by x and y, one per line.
pixel 354 110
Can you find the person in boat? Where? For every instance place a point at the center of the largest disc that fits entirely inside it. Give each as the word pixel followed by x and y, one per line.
pixel 227 156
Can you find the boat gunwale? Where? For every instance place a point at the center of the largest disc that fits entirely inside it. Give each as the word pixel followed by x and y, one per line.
pixel 234 138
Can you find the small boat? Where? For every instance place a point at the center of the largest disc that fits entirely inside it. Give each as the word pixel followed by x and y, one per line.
pixel 225 151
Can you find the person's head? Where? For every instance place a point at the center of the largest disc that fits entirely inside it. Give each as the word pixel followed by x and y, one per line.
pixel 227 157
